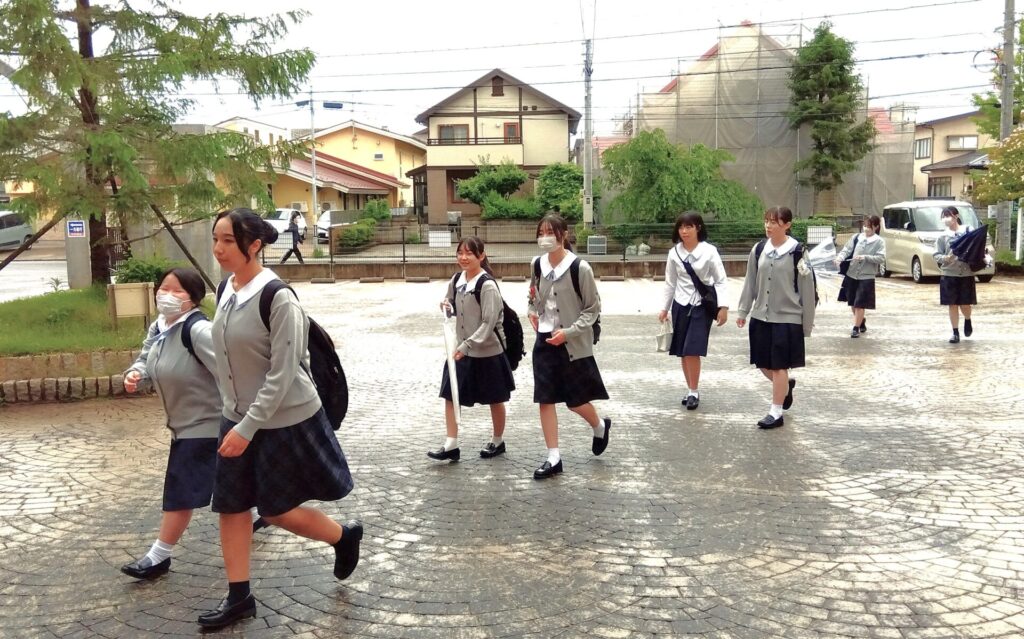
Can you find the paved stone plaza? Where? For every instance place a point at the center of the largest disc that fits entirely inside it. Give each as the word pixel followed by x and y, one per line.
pixel 890 505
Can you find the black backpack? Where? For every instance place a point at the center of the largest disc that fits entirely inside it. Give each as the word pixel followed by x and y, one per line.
pixel 186 333
pixel 798 253
pixel 510 324
pixel 324 365
pixel 574 274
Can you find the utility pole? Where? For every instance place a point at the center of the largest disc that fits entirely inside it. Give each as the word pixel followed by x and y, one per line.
pixel 1006 115
pixel 588 151
pixel 312 138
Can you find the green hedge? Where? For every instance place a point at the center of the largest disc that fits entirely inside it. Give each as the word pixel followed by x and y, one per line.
pixel 148 269
pixel 496 207
pixel 377 210
pixel 357 234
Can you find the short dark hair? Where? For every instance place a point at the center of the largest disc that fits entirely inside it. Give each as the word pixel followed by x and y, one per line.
pixel 780 214
pixel 951 211
pixel 247 227
pixel 691 218
pixel 874 222
pixel 189 279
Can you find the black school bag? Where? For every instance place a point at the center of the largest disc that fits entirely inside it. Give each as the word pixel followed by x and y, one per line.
pixel 513 343
pixel 186 334
pixel 324 365
pixel 798 253
pixel 574 274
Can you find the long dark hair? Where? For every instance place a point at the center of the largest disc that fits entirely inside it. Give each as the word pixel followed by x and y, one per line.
pixel 690 218
pixel 475 246
pixel 951 211
pixel 189 280
pixel 558 226
pixel 247 227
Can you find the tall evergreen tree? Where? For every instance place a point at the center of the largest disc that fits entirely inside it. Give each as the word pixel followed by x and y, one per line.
pixel 827 94
pixel 102 82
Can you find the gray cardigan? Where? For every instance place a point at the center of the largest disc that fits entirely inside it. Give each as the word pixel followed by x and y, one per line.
pixel 958 268
pixel 259 371
pixel 186 386
pixel 475 324
pixel 769 295
pixel 579 335
pixel 873 252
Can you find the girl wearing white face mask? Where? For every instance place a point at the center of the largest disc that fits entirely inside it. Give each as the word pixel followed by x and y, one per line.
pixel 176 359
pixel 564 309
pixel 956 287
pixel 865 253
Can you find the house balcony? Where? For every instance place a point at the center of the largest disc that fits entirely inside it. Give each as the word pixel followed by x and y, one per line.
pixel 467 151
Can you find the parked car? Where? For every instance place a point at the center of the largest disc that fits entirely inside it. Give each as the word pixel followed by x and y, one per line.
pixel 910 230
pixel 323 227
pixel 279 218
pixel 13 230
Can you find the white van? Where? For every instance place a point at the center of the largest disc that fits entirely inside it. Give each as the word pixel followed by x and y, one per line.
pixel 13 230
pixel 910 230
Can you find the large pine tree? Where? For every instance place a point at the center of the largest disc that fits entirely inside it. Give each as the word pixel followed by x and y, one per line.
pixel 103 85
pixel 827 95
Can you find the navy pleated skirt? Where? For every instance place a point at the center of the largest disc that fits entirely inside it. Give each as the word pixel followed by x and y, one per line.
pixel 191 466
pixel 482 380
pixel 559 380
pixel 691 329
pixel 282 468
pixel 957 291
pixel 858 293
pixel 776 346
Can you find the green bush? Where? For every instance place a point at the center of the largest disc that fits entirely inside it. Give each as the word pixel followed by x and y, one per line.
pixel 357 234
pixel 149 269
pixel 376 210
pixel 412 238
pixel 582 234
pixel 496 207
pixel 799 229
pixel 1006 256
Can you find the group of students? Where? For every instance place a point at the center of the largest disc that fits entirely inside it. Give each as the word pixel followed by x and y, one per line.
pixel 249 432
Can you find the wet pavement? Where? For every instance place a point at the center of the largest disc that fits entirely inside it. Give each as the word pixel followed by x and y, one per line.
pixel 890 505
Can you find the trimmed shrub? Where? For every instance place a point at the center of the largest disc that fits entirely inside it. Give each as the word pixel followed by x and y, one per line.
pixel 496 207
pixel 148 269
pixel 376 210
pixel 357 234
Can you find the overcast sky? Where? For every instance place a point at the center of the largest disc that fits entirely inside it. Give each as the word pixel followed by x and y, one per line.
pixel 384 59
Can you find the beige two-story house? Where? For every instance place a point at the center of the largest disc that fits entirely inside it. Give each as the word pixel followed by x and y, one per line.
pixel 946 150
pixel 496 118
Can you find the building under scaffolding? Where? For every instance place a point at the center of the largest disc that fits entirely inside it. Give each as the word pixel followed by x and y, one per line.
pixel 735 96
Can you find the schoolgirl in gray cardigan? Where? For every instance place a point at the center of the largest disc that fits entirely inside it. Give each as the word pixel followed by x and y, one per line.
pixel 866 252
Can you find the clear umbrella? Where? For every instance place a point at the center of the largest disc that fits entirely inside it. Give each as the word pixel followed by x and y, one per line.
pixel 451 342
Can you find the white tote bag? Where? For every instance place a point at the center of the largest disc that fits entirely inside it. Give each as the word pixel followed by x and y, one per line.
pixel 664 336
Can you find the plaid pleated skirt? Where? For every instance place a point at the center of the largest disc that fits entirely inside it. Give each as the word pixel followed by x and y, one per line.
pixel 282 468
pixel 482 380
pixel 691 330
pixel 957 291
pixel 776 346
pixel 559 380
pixel 191 466
pixel 858 293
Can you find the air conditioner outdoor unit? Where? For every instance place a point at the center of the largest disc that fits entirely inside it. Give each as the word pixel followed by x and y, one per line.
pixel 299 206
pixel 331 206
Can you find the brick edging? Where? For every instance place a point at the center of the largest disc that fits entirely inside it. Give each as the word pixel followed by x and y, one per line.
pixel 61 389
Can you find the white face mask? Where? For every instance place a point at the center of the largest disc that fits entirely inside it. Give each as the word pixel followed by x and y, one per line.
pixel 169 305
pixel 547 243
pixel 948 221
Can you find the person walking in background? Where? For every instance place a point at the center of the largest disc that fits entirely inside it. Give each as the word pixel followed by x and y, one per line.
pixel 293 229
pixel 177 360
pixel 563 308
pixel 483 373
pixel 864 254
pixel 693 267
pixel 277 449
pixel 957 289
pixel 778 295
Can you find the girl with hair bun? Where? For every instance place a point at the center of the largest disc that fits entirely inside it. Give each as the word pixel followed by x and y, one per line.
pixel 277 449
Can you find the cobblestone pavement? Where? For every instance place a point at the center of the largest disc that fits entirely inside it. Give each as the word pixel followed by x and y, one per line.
pixel 888 506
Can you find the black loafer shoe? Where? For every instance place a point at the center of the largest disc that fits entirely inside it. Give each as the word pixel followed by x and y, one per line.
pixel 547 470
pixel 786 403
pixel 600 443
pixel 441 454
pixel 259 524
pixel 490 450
pixel 346 551
pixel 955 339
pixel 968 329
pixel 145 569
pixel 768 422
pixel 225 615
pixel 855 332
pixel 692 402
pixel 863 326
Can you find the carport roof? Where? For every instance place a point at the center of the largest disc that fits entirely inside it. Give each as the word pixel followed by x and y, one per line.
pixel 971 160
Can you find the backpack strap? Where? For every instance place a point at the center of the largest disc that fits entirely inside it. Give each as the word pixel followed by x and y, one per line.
pixel 220 289
pixel 798 253
pixel 267 299
pixel 536 269
pixel 574 273
pixel 186 333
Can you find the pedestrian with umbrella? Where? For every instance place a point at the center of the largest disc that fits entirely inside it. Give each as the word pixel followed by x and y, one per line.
pixel 956 288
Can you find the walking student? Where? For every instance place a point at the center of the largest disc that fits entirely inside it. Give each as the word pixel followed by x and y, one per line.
pixel 778 295
pixel 277 450
pixel 866 253
pixel 293 229
pixel 177 361
pixel 563 308
pixel 956 286
pixel 481 368
pixel 693 268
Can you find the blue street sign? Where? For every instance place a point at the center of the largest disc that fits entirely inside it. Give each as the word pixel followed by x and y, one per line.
pixel 76 228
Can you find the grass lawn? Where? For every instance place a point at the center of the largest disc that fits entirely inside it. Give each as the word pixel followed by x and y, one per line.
pixel 64 322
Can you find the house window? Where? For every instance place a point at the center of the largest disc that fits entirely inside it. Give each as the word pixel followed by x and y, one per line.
pixel 378 156
pixel 453 184
pixel 512 133
pixel 497 85
pixel 453 133
pixel 962 142
pixel 940 187
pixel 922 148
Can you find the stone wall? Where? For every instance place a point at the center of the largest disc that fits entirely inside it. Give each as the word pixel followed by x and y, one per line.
pixel 58 365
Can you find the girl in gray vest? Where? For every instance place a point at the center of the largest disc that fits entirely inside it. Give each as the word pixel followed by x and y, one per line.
pixel 186 386
pixel 866 252
pixel 956 287
pixel 483 372
pixel 564 368
pixel 277 449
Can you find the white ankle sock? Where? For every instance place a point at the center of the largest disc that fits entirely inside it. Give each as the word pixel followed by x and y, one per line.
pixel 599 429
pixel 159 551
pixel 496 440
pixel 451 443
pixel 553 456
pixel 776 410
pixel 255 514
pixel 693 393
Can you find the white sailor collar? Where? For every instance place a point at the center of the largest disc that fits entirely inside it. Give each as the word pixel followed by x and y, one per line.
pixel 563 266
pixel 697 253
pixel 777 252
pixel 248 291
pixel 471 284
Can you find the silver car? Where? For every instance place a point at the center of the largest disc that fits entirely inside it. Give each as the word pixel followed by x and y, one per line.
pixel 13 230
pixel 910 230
